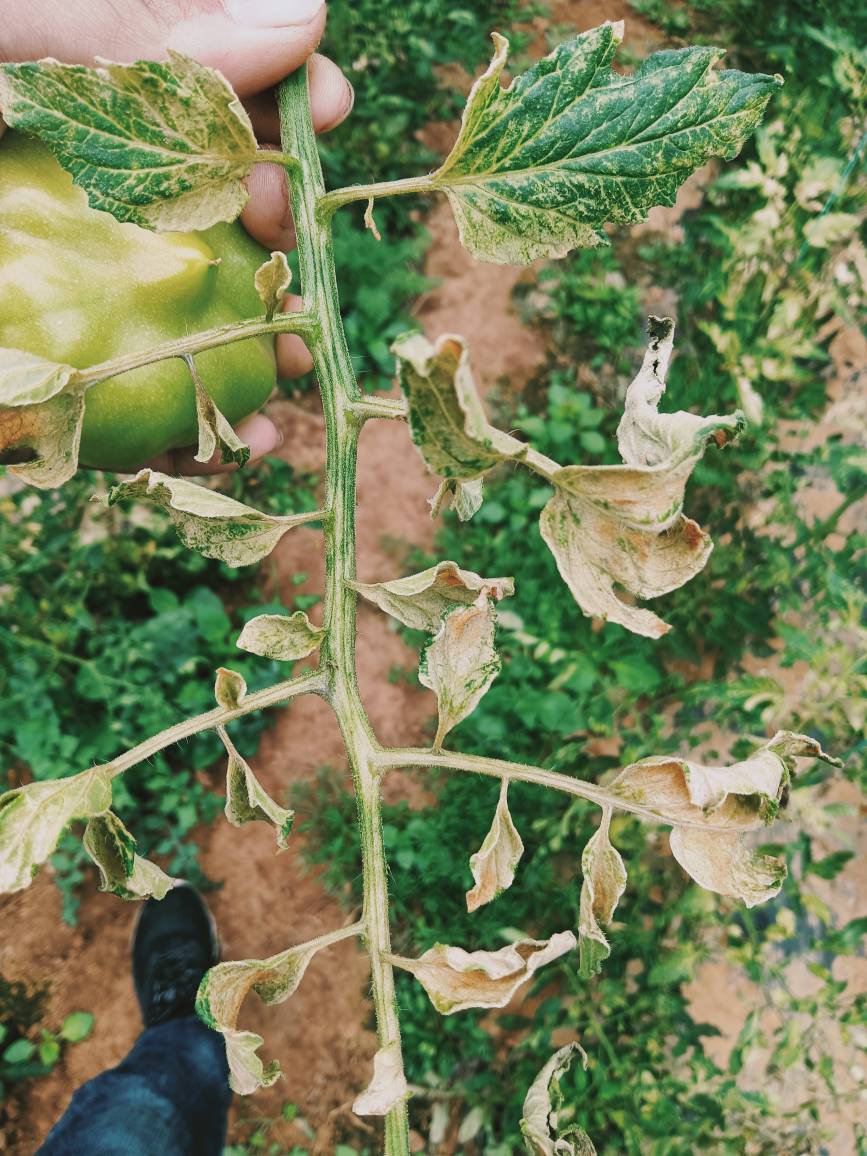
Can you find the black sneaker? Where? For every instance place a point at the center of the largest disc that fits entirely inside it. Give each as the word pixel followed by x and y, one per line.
pixel 174 944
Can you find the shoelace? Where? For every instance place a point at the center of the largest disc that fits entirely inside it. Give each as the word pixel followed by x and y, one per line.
pixel 176 979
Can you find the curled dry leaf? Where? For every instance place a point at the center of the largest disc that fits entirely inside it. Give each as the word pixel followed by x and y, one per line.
pixel 388 1086
pixel 460 662
pixel 230 689
pixel 446 417
pixel 610 526
pixel 541 165
pixel 122 871
pixel 284 637
pixel 604 883
pixel 208 521
pixel 455 979
pixel 41 412
pixel 540 1126
pixel 272 279
pixel 174 153
pixel 710 807
pixel 215 431
pixel 420 600
pixel 247 801
pixel 33 817
pixel 494 864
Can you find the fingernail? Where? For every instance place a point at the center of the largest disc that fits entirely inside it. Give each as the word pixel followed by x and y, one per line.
pixel 273 13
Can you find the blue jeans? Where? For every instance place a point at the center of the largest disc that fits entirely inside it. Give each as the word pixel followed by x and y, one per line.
pixel 169 1097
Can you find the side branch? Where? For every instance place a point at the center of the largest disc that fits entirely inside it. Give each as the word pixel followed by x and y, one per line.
pixel 391 758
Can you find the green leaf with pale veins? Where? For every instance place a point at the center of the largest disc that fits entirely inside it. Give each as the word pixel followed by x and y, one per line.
pixel 164 144
pixel 446 417
pixel 41 414
pixel 460 663
pixel 122 871
pixel 540 166
pixel 284 637
pixel 247 801
pixel 610 526
pixel 604 882
pixel 32 819
pixel 272 280
pixel 208 521
pixel 540 1125
pixel 420 600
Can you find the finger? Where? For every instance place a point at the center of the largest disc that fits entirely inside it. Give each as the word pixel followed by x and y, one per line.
pixel 293 356
pixel 331 101
pixel 254 43
pixel 258 432
pixel 266 215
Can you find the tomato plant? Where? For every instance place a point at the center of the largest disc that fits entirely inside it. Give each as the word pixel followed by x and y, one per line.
pixel 539 167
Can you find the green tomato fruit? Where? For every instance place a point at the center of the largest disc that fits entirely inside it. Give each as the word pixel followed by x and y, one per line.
pixel 78 287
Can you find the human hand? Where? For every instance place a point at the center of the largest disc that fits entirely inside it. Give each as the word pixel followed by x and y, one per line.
pixel 254 43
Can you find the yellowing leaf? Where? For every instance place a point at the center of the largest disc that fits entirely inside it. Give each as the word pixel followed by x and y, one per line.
pixel 32 819
pixel 49 434
pixel 420 600
pixel 539 1121
pixel 446 416
pixel 611 526
pixel 247 800
pixel 460 663
pixel 388 1086
pixel 166 144
pixel 272 280
pixel 720 861
pixel 604 883
pixel 208 521
pixel 455 979
pixel 494 864
pixel 230 689
pixel 214 429
pixel 540 166
pixel 284 637
pixel 122 871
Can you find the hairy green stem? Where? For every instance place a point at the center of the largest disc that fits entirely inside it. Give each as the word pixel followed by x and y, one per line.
pixel 344 410
pixel 328 203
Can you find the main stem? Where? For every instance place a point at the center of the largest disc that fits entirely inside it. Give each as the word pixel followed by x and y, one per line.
pixel 341 399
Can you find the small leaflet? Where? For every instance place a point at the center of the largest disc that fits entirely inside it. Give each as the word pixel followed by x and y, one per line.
pixel 26 379
pixel 214 429
pixel 541 165
pixel 610 526
pixel 465 498
pixel 420 600
pixel 172 155
pixel 209 521
pixel 604 883
pixel 460 662
pixel 272 279
pixel 247 801
pixel 447 419
pixel 41 413
pixel 32 819
pixel 494 864
pixel 710 808
pixel 455 979
pixel 230 688
pixel 223 991
pixel 388 1086
pixel 284 637
pixel 542 1105
pixel 122 871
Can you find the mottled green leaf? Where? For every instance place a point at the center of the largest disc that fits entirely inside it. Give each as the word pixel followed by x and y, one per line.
pixel 215 432
pixel 494 864
pixel 610 526
pixel 540 1127
pixel 446 416
pixel 165 144
pixel 388 1086
pixel 455 979
pixel 420 600
pixel 284 637
pixel 247 801
pixel 540 166
pixel 32 819
pixel 603 884
pixel 272 279
pixel 122 871
pixel 460 663
pixel 208 521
